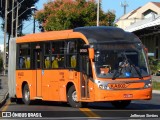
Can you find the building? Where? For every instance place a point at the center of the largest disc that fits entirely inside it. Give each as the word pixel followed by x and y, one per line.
pixel 145 23
pixel 147 11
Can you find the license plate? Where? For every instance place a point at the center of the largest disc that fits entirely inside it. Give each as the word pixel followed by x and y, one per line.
pixel 118 86
pixel 128 95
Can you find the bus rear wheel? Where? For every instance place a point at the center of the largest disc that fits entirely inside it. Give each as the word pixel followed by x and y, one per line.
pixel 26 95
pixel 72 98
pixel 121 104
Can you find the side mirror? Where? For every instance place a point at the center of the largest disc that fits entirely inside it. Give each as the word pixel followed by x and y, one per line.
pixel 146 50
pixel 91 53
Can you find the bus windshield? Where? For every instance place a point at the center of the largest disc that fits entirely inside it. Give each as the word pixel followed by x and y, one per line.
pixel 120 60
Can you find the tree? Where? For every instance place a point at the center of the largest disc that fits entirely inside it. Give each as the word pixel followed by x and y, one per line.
pixel 110 18
pixel 25 16
pixel 68 14
pixel 154 65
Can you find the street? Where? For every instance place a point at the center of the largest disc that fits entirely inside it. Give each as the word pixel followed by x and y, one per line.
pixel 95 110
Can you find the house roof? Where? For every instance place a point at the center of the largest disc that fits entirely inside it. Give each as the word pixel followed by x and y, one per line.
pixel 157 4
pixel 126 16
pixel 134 11
pixel 143 24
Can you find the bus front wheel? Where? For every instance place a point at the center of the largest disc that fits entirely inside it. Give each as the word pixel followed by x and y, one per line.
pixel 72 98
pixel 26 94
pixel 121 104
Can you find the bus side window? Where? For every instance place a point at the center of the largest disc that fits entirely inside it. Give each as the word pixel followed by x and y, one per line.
pixel 47 62
pixel 57 54
pixel 27 62
pixel 73 61
pixel 54 62
pixel 21 62
pixel 72 47
pixel 47 51
pixel 23 56
pixel 71 57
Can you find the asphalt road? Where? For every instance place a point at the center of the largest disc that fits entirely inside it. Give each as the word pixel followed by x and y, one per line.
pixel 137 109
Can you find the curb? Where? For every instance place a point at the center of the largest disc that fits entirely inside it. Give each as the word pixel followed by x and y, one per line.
pixel 156 91
pixel 5 94
pixel 2 102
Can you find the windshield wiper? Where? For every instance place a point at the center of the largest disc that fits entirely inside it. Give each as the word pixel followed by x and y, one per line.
pixel 131 63
pixel 138 72
pixel 118 70
pixel 114 75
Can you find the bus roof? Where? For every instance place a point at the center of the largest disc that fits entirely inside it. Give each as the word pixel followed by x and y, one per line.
pixel 51 35
pixel 90 35
pixel 106 34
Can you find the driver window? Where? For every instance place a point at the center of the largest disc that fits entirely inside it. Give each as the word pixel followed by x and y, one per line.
pixel 105 61
pixel 72 47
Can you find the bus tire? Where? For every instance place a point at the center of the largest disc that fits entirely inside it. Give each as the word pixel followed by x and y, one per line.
pixel 121 104
pixel 13 99
pixel 72 96
pixel 84 104
pixel 26 95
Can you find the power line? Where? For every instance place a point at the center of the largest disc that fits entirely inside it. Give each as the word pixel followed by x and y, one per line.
pixel 27 26
pixel 18 4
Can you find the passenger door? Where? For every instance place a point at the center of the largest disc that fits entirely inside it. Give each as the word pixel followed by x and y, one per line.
pixel 84 76
pixel 38 68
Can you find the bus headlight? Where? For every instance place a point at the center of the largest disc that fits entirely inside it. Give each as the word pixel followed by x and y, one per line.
pixel 148 84
pixel 101 86
pixel 104 87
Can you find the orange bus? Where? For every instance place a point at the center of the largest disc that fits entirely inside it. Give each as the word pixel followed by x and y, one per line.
pixel 86 64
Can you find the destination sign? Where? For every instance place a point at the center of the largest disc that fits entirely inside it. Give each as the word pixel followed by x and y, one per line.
pixel 83 50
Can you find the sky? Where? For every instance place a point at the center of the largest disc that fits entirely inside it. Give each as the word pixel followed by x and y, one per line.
pixel 106 5
pixel 113 5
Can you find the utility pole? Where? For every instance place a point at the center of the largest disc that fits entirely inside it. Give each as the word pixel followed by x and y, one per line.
pixel 124 5
pixel 17 19
pixel 1 3
pixel 34 25
pixel 34 21
pixel 98 13
pixel 5 36
pixel 12 18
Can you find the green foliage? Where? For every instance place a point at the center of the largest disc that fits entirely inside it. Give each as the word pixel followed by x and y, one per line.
pixel 154 65
pixel 68 14
pixel 1 63
pixel 156 85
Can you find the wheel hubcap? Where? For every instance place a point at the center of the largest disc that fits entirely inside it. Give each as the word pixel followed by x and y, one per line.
pixel 26 95
pixel 74 96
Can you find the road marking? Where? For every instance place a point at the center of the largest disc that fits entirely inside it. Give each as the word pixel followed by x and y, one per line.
pixel 89 113
pixel 6 105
